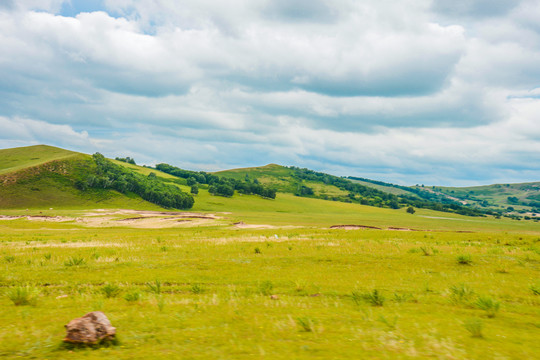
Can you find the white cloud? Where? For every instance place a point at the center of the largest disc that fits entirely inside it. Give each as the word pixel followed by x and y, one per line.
pixel 392 89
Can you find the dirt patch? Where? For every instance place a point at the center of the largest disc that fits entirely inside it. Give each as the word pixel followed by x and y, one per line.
pixel 401 229
pixel 354 227
pixel 242 225
pixel 37 218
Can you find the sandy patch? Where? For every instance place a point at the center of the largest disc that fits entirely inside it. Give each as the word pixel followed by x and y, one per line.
pixel 242 225
pixel 401 229
pixel 354 227
pixel 37 218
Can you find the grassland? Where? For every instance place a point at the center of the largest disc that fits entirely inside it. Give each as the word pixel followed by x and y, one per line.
pixel 216 283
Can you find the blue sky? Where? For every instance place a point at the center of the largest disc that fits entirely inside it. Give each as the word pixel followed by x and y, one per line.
pixel 413 91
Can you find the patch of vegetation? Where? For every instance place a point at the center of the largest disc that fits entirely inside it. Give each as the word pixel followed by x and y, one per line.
pixel 23 295
pixel 464 259
pixel 474 327
pixel 111 290
pixel 490 306
pixel 111 176
pixel 219 185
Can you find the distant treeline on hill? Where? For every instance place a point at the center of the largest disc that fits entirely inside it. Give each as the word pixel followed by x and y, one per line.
pixel 370 196
pixel 218 185
pixel 111 176
pixel 421 193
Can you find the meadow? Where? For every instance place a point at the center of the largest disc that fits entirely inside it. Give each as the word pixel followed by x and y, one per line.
pixel 458 288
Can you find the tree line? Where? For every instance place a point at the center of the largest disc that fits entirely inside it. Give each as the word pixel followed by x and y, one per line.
pixel 219 185
pixel 373 197
pixel 108 175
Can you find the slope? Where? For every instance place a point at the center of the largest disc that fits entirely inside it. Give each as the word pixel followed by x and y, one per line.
pixel 523 197
pixel 44 176
pixel 19 158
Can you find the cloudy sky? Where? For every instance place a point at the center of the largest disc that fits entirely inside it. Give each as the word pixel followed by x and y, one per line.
pixel 443 92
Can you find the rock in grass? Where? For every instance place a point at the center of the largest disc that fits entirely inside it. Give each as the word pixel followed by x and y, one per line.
pixel 92 328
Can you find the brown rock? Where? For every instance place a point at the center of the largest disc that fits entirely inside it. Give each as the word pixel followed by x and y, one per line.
pixel 90 329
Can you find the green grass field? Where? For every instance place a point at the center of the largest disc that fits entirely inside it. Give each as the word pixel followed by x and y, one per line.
pixel 216 284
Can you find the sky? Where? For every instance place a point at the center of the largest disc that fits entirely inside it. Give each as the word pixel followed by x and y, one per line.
pixel 435 92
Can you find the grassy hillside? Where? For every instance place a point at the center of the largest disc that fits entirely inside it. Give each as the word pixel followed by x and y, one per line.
pixel 521 197
pixel 19 158
pixel 43 176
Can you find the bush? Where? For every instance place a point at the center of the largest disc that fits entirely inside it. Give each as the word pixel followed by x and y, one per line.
pixel 196 289
pixel 155 287
pixel 373 298
pixel 305 323
pixel 23 295
pixel 75 261
pixel 111 290
pixel 490 306
pixel 474 327
pixel 464 259
pixel 133 295
pixel 460 294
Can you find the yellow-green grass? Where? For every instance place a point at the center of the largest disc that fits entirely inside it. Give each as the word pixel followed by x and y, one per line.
pixel 216 285
pixel 23 157
pixel 146 171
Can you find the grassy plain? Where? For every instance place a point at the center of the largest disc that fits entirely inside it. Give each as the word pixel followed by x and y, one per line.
pixel 205 292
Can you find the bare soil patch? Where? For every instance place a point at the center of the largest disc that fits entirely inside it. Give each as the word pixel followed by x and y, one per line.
pixel 354 227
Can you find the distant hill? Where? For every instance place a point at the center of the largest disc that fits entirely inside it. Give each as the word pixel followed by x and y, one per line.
pixel 309 183
pixel 510 198
pixel 44 176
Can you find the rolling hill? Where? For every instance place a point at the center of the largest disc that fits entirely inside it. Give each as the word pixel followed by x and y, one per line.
pixel 43 176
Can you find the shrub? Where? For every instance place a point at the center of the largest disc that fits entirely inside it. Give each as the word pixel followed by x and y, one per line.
pixel 74 261
pixel 257 250
pixel 460 294
pixel 196 289
pixel 9 258
pixel 535 289
pixel 23 295
pixel 305 323
pixel 490 306
pixel 464 259
pixel 133 295
pixel 373 298
pixel 155 287
pixel 474 327
pixel 111 290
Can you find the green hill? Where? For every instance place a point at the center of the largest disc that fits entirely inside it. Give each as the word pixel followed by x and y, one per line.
pixel 19 158
pixel 522 197
pixel 44 176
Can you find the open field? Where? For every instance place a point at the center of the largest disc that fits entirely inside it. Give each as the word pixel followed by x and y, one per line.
pixel 204 291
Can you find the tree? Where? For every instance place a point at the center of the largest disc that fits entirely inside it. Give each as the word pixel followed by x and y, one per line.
pixel 410 210
pixel 194 189
pixel 191 181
